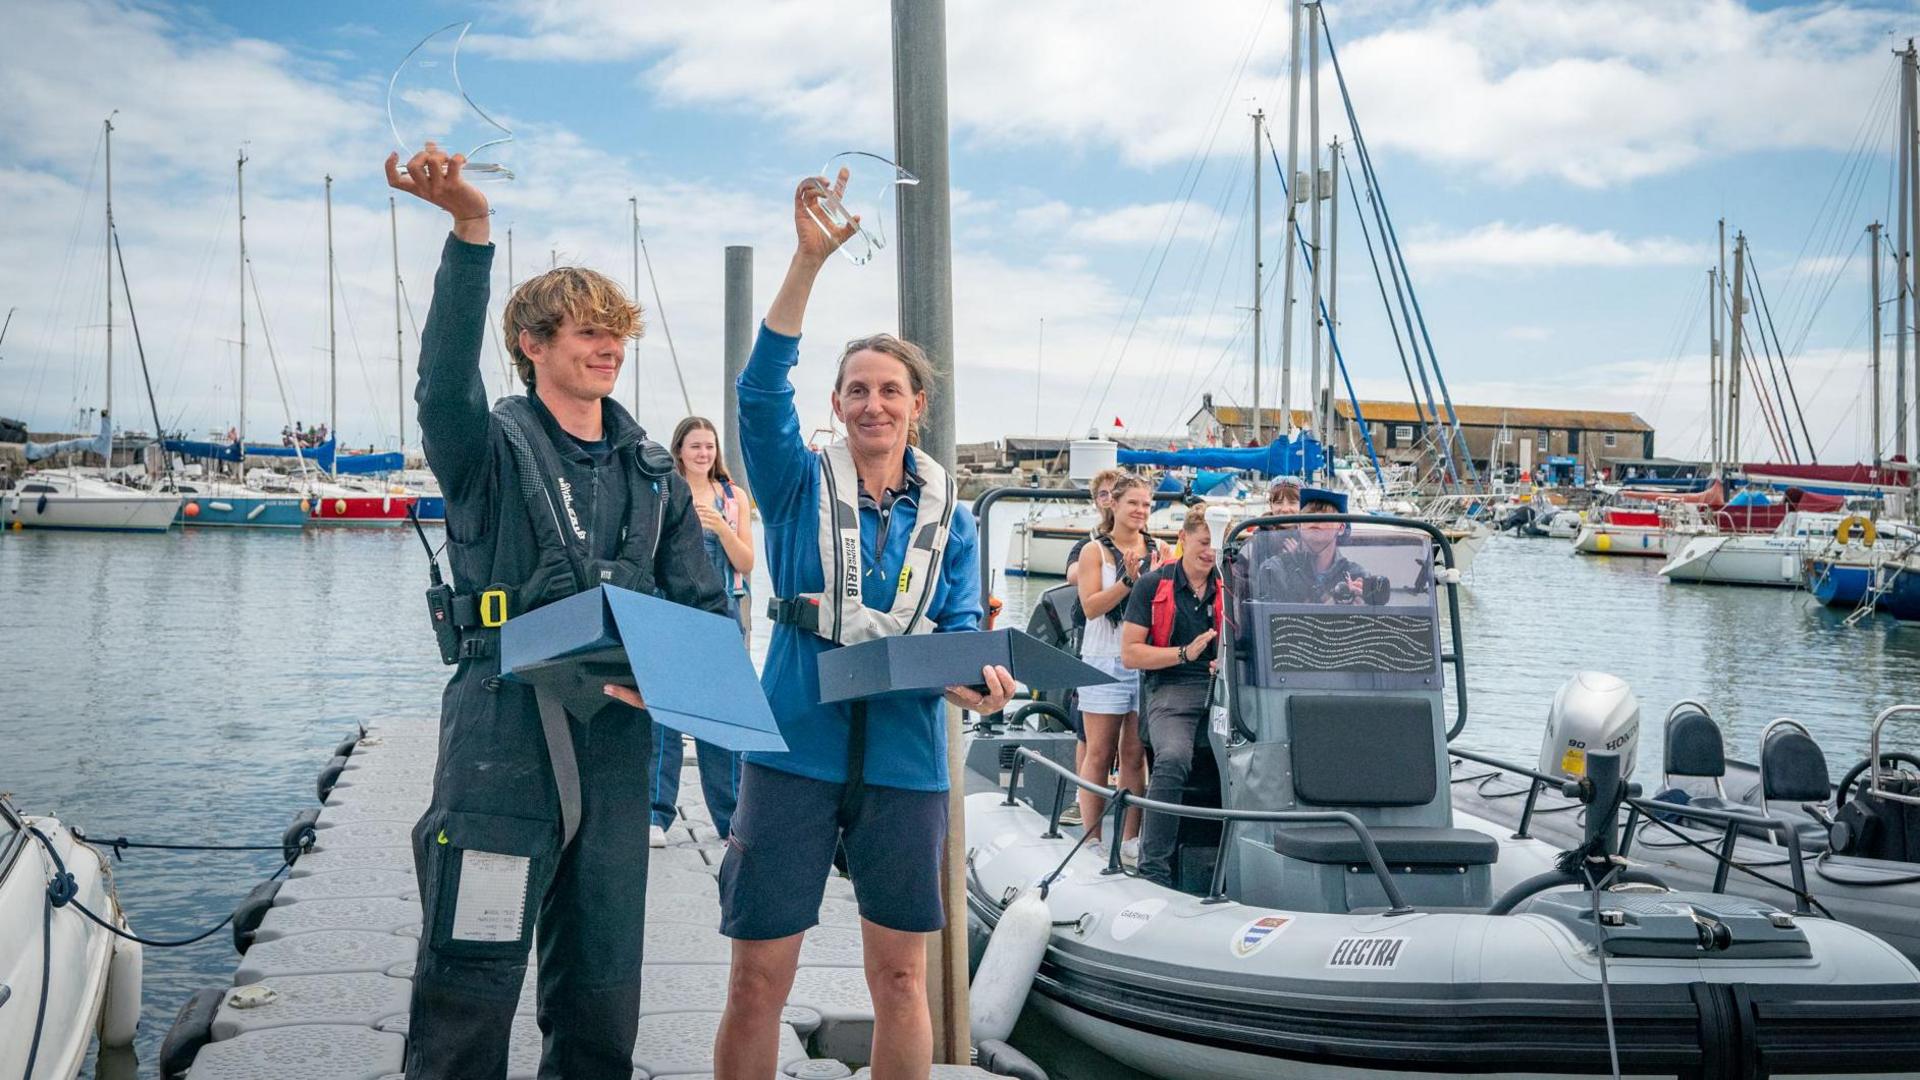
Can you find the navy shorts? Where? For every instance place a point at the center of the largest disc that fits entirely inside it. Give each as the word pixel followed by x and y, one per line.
pixel 781 850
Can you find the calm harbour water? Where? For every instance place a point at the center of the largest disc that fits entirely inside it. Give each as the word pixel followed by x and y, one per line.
pixel 188 687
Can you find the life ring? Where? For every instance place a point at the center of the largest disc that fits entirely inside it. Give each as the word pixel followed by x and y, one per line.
pixel 1844 532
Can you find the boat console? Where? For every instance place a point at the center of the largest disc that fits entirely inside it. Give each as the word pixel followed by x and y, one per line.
pixel 1335 702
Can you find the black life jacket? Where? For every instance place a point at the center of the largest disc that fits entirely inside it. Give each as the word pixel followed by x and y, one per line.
pixel 563 563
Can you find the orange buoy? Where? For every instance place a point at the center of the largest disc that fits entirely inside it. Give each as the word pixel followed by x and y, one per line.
pixel 306 507
pixel 192 509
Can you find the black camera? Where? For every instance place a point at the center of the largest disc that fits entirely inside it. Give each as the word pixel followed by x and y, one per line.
pixel 1373 591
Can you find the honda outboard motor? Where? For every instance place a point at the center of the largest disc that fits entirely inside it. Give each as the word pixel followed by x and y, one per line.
pixel 1592 711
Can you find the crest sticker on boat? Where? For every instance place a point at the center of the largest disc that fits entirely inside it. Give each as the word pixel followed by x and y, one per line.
pixel 1258 934
pixel 1134 918
pixel 1372 953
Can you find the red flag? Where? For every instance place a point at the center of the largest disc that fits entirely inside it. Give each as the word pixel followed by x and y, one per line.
pixel 1117 423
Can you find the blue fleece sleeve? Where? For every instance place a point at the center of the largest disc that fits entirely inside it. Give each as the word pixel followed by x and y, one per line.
pixel 960 607
pixel 777 459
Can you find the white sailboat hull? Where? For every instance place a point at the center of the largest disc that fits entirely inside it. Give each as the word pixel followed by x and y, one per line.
pixel 1738 560
pixel 61 501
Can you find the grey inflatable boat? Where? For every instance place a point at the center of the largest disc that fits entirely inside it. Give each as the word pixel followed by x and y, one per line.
pixel 1338 914
pixel 1858 837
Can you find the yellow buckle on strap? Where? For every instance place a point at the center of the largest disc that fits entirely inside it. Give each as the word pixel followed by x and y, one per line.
pixel 493 607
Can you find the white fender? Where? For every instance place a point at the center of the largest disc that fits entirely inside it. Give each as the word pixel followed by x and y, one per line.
pixel 120 1016
pixel 999 989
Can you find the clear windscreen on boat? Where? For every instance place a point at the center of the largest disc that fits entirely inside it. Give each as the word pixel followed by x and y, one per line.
pixel 1333 606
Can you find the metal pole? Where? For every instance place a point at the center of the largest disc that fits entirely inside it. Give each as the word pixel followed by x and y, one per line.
pixel 1873 333
pixel 1315 327
pixel 1333 283
pixel 1734 326
pixel 333 352
pixel 240 197
pixel 399 338
pixel 926 318
pixel 109 138
pixel 1259 249
pixel 737 344
pixel 1292 181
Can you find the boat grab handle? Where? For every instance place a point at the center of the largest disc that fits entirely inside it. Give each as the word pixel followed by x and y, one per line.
pixel 1397 904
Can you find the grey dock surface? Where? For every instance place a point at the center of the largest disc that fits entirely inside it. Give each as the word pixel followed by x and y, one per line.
pixel 322 992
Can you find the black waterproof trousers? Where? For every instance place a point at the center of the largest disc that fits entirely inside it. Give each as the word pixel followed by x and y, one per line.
pixel 587 902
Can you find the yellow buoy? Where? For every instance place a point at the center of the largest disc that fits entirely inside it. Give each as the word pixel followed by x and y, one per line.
pixel 1860 523
pixel 340 510
pixel 1602 542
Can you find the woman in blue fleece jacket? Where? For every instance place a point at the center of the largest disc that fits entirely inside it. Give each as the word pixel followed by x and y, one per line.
pixel 792 814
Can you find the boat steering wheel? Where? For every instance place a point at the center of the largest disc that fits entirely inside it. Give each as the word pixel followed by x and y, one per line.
pixel 1853 775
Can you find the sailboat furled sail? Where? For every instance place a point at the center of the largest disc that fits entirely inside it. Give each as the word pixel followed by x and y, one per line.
pixel 101 444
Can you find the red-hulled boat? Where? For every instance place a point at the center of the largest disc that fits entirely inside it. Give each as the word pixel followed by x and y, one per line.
pixel 353 504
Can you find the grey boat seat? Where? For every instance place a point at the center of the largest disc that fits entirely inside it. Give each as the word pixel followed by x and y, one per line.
pixel 1400 845
pixel 1793 771
pixel 1695 748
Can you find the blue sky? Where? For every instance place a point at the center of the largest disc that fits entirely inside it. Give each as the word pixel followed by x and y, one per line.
pixel 1554 168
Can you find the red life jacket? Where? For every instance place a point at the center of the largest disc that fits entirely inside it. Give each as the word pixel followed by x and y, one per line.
pixel 1160 633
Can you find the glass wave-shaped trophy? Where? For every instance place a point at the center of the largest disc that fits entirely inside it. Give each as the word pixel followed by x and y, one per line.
pixel 426 102
pixel 861 188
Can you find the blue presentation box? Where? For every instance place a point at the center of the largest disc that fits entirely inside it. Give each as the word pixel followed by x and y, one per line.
pixel 923 663
pixel 691 667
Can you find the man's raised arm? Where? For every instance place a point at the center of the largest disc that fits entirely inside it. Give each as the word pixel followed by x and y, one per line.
pixel 451 396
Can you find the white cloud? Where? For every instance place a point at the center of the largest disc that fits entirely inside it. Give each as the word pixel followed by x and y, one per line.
pixel 1498 245
pixel 1594 92
pixel 1599 92
pixel 1528 333
pixel 1147 223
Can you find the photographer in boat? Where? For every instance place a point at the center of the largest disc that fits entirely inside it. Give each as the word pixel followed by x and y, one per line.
pixel 548 494
pixel 1313 571
pixel 1173 621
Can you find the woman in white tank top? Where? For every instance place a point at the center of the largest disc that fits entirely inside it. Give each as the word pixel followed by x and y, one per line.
pixel 1110 714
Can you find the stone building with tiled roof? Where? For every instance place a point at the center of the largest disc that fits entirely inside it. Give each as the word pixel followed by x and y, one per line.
pixel 1400 432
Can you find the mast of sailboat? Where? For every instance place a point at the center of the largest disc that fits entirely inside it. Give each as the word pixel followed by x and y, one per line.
pixel 1333 283
pixel 1910 130
pixel 660 309
pixel 1259 121
pixel 1903 255
pixel 109 140
pixel 1314 324
pixel 240 198
pixel 1717 378
pixel 633 207
pixel 1291 233
pixel 1911 241
pixel 333 351
pixel 1713 369
pixel 399 335
pixel 1873 332
pixel 1735 328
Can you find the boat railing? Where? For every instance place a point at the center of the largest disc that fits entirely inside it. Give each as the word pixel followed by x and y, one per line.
pixel 1873 753
pixel 1730 822
pixel 1119 801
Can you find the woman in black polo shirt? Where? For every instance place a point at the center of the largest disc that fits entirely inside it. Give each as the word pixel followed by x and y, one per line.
pixel 1173 619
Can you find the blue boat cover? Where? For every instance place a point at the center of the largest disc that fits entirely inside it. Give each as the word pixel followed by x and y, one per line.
pixel 1282 457
pixel 101 444
pixel 360 464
